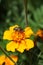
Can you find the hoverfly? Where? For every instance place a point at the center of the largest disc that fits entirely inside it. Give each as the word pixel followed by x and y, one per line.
pixel 18 29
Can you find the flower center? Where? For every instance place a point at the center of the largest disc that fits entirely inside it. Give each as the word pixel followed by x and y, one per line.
pixel 18 36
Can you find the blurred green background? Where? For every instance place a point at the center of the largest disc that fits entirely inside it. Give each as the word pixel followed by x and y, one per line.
pixel 12 12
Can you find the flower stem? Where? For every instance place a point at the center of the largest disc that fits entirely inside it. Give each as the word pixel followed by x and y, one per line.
pixel 25 8
pixel 7 55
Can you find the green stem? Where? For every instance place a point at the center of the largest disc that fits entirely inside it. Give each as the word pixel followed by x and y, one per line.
pixel 7 55
pixel 25 8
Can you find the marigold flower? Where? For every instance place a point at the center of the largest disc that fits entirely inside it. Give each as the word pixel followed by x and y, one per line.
pixel 2 59
pixel 11 46
pixel 29 44
pixel 28 32
pixel 7 35
pixel 12 27
pixel 19 39
pixel 40 33
pixel 7 61
pixel 21 46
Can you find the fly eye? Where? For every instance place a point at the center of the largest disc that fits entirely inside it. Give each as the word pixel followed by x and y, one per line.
pixel 3 63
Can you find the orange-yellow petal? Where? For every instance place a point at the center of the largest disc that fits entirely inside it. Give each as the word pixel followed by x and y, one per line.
pixel 39 33
pixel 15 58
pixel 2 59
pixel 7 35
pixel 11 46
pixel 28 32
pixel 22 46
pixel 12 27
pixel 9 62
pixel 29 44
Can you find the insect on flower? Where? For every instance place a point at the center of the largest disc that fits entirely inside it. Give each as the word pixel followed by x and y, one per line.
pixel 18 29
pixel 19 38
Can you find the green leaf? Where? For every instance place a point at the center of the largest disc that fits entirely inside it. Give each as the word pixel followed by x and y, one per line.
pixel 40 45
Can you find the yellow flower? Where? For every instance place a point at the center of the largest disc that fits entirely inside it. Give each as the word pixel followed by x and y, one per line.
pixel 2 59
pixel 29 44
pixel 28 32
pixel 12 27
pixel 7 61
pixel 39 33
pixel 21 46
pixel 7 35
pixel 11 46
pixel 18 39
